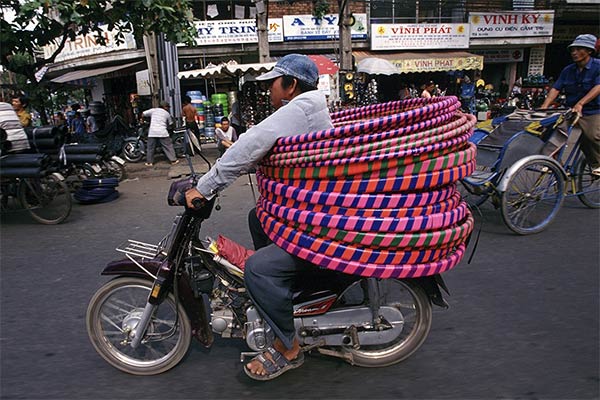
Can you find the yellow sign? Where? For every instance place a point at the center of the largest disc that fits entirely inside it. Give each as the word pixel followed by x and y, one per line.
pixel 439 64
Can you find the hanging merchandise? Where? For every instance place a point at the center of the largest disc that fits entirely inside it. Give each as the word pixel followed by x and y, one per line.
pixel 255 104
pixel 376 195
pixel 367 92
pixel 347 87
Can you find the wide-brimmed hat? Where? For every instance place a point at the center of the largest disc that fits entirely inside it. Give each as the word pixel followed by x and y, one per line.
pixel 297 65
pixel 588 41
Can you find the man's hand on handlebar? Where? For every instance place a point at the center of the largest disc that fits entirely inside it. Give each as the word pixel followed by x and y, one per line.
pixel 193 199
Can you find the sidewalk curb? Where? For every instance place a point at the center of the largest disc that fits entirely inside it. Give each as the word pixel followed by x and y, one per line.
pixel 162 167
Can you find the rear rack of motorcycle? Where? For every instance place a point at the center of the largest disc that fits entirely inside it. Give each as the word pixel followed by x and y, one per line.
pixel 138 252
pixel 136 249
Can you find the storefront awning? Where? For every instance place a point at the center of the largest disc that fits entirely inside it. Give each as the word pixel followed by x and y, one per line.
pixel 226 70
pixel 210 72
pixel 89 73
pixel 427 62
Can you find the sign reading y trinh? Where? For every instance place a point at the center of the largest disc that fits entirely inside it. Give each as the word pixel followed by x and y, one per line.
pixel 419 36
pixel 234 31
pixel 512 23
pixel 86 45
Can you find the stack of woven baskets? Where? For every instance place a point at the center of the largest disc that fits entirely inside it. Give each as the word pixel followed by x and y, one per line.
pixel 376 195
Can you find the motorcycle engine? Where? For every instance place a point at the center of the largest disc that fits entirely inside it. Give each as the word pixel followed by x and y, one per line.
pixel 259 335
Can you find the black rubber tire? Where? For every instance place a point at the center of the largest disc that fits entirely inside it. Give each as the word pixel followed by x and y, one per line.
pixel 132 151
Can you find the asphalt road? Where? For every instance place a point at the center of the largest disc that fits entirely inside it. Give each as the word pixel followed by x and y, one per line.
pixel 523 321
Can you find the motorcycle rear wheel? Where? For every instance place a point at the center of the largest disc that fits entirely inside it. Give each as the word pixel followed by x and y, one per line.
pixel 415 306
pixel 118 305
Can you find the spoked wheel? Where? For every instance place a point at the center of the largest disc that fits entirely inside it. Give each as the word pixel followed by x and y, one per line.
pixel 587 184
pixel 132 151
pixel 116 308
pixel 410 315
pixel 533 197
pixel 47 199
pixel 116 170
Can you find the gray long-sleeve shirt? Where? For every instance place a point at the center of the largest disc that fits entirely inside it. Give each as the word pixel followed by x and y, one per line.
pixel 305 113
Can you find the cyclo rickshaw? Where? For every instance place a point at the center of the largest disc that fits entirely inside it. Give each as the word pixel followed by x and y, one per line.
pixel 526 164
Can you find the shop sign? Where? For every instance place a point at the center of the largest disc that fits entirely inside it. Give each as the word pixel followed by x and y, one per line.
pixel 142 79
pixel 235 31
pixel 500 55
pixel 536 60
pixel 439 64
pixel 86 45
pixel 308 27
pixel 511 24
pixel 419 36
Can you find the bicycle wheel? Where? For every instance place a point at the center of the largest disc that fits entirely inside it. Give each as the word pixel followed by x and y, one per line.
pixel 533 197
pixel 47 199
pixel 587 184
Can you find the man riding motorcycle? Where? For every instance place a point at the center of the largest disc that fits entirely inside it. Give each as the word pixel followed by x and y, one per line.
pixel 270 271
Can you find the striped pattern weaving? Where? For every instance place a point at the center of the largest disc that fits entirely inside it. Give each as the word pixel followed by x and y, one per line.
pixel 375 195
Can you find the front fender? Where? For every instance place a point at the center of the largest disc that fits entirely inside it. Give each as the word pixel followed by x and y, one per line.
pixel 195 308
pixel 510 171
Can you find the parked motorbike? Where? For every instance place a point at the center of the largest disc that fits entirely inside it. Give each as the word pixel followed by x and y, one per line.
pixel 161 296
pixel 79 162
pixel 134 148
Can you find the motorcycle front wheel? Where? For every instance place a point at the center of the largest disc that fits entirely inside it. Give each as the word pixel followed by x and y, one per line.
pixel 116 308
pixel 412 301
pixel 132 151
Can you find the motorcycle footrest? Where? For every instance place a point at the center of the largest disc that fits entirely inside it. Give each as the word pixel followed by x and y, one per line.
pixel 245 354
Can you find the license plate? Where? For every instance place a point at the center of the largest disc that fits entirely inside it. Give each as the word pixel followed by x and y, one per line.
pixel 118 159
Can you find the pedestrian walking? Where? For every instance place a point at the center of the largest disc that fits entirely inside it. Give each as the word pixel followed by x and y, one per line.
pixel 160 121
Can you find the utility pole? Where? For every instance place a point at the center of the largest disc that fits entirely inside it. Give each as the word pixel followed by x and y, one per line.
pixel 152 62
pixel 345 24
pixel 262 15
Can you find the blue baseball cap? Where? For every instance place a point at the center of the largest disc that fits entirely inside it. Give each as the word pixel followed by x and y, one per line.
pixel 588 41
pixel 297 65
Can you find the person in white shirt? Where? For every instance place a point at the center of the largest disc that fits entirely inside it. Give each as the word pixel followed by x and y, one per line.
pixel 226 134
pixel 160 120
pixel 15 134
pixel 300 108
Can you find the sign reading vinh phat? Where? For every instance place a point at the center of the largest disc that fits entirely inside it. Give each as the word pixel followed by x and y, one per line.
pixel 512 24
pixel 87 45
pixel 419 36
pixel 235 31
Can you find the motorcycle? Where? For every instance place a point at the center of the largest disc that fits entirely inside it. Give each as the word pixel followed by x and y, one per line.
pixel 134 148
pixel 142 321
